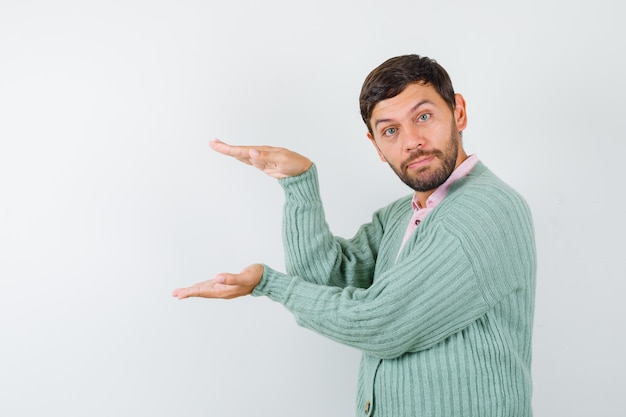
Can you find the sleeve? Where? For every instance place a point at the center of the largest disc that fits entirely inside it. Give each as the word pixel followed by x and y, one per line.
pixel 410 307
pixel 452 274
pixel 311 250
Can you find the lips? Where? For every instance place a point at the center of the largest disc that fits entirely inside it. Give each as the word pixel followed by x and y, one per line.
pixel 419 161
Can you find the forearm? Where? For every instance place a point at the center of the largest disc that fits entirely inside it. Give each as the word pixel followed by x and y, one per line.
pixel 311 250
pixel 409 308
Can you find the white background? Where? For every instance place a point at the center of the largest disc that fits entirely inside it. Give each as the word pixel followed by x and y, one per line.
pixel 110 196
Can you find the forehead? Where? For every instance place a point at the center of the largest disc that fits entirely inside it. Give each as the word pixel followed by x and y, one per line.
pixel 411 96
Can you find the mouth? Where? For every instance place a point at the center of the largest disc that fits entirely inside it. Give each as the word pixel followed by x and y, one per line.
pixel 419 162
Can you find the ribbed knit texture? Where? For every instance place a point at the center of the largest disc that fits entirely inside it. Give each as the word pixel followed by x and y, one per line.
pixel 445 329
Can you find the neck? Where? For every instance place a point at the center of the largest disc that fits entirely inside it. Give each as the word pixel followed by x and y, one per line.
pixel 422 197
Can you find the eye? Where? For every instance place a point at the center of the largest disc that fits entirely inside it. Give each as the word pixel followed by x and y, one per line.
pixel 423 117
pixel 390 131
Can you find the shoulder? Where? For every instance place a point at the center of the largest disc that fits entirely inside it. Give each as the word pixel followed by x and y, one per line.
pixel 494 225
pixel 482 207
pixel 482 191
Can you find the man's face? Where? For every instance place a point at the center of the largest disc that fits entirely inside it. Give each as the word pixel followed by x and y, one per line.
pixel 417 134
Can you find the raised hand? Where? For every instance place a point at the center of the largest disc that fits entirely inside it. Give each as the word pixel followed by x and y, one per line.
pixel 224 285
pixel 275 162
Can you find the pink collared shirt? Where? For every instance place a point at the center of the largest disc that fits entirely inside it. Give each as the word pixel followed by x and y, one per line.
pixel 419 213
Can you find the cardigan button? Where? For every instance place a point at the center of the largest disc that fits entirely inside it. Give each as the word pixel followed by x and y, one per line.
pixel 368 407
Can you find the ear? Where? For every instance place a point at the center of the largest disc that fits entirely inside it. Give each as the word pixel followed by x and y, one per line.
pixel 380 154
pixel 460 115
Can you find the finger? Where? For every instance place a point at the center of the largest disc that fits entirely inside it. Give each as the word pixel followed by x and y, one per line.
pixel 263 156
pixel 219 287
pixel 258 159
pixel 241 153
pixel 219 146
pixel 226 279
pixel 272 161
pixel 194 291
pixel 260 152
pixel 180 293
pixel 201 289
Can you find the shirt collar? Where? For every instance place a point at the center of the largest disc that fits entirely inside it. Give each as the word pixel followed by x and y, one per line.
pixel 440 193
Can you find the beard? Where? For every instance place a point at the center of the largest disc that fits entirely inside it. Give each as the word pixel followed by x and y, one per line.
pixel 428 178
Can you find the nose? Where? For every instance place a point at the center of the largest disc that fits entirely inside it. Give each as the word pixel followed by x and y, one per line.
pixel 412 138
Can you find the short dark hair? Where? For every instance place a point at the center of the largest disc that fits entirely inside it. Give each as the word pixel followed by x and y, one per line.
pixel 391 77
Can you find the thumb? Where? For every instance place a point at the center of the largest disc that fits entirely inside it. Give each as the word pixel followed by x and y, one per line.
pixel 226 279
pixel 258 158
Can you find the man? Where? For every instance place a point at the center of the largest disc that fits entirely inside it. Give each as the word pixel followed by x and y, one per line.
pixel 437 291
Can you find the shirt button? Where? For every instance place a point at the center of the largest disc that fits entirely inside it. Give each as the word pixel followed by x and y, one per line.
pixel 368 406
pixel 417 222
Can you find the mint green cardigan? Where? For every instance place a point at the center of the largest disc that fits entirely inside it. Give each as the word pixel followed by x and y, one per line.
pixel 445 326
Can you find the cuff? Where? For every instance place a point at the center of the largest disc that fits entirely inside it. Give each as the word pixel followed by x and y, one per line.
pixel 302 188
pixel 273 284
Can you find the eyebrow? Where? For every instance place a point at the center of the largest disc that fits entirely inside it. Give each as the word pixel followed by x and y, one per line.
pixel 412 110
